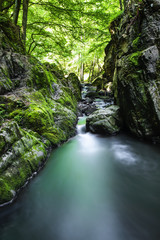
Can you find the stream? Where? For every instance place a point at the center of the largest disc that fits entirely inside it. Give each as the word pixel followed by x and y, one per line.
pixel 92 188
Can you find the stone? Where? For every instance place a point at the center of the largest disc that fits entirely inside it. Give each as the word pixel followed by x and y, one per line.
pixel 134 51
pixel 149 59
pixel 38 112
pixel 86 107
pixel 105 121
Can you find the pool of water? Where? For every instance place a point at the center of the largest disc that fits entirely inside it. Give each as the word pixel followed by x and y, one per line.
pixel 92 187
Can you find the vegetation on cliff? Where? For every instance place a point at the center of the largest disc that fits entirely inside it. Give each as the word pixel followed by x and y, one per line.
pixel 134 67
pixel 37 111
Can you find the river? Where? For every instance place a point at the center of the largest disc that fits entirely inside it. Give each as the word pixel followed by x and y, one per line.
pixel 92 188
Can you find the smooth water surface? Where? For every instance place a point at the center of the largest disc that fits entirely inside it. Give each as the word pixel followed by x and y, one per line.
pixel 92 188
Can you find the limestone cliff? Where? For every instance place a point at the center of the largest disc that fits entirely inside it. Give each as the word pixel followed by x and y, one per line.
pixel 37 111
pixel 132 63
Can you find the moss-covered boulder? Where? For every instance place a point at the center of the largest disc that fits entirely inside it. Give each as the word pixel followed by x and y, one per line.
pixel 23 152
pixel 10 35
pixel 38 111
pixel 135 70
pixel 33 119
pixel 105 121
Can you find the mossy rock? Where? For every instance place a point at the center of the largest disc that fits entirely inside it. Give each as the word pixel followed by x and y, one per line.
pixel 11 37
pixel 105 121
pixel 55 70
pixel 27 154
pixel 67 99
pixel 134 58
pixel 5 192
pixel 55 136
pixel 6 84
pixel 41 76
pixel 37 112
pixel 38 118
pixel 74 85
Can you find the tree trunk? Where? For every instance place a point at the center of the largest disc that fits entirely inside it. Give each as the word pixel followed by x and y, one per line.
pixel 93 68
pixel 99 66
pixel 1 5
pixel 24 20
pixel 81 69
pixel 125 3
pixel 16 11
pixel 90 70
pixel 82 72
pixel 120 3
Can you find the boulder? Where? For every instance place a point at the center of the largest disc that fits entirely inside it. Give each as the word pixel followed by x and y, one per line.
pixel 134 52
pixel 38 111
pixel 105 121
pixel 86 108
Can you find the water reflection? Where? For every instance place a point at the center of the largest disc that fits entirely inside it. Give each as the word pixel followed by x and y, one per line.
pixel 92 188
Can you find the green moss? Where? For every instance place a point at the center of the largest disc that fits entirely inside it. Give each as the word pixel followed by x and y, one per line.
pixel 11 103
pixel 74 85
pixel 55 136
pixel 11 36
pixel 135 43
pixel 67 99
pixel 5 192
pixel 135 57
pixel 50 76
pixel 2 112
pixel 2 143
pixel 28 152
pixel 5 83
pixel 41 77
pixel 47 118
pixel 12 108
pixel 38 118
pixel 39 114
pixel 18 115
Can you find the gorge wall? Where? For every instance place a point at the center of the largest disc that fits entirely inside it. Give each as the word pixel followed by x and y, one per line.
pixel 38 108
pixel 132 63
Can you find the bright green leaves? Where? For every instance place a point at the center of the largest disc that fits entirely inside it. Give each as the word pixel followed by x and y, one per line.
pixel 67 32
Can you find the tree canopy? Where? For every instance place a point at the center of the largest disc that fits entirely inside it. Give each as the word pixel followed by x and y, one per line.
pixel 71 33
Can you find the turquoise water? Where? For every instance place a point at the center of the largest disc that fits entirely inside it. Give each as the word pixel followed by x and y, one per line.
pixel 92 188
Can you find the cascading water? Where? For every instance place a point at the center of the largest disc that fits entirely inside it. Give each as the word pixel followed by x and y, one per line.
pixel 99 101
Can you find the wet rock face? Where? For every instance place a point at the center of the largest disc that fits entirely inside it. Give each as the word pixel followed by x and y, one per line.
pixel 135 71
pixel 14 71
pixel 23 154
pixel 35 115
pixel 86 107
pixel 38 111
pixel 105 121
pixel 149 60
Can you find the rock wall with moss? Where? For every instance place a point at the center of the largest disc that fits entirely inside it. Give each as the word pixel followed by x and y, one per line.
pixel 132 63
pixel 38 108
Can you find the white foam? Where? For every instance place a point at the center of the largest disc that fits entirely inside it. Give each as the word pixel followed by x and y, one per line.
pixel 124 154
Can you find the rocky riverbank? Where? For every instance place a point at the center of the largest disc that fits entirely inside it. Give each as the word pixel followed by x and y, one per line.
pixel 132 64
pixel 38 111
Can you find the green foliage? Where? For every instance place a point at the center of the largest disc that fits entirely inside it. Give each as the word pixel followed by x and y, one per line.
pixel 134 58
pixel 5 192
pixel 55 136
pixel 135 43
pixel 69 33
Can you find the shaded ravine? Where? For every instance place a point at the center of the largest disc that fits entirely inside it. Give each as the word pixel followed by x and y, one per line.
pixel 92 187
